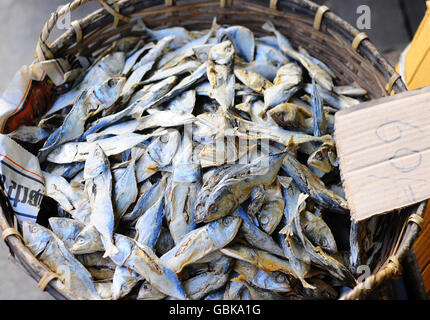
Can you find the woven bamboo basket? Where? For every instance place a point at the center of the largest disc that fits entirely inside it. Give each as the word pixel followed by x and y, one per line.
pixel 348 52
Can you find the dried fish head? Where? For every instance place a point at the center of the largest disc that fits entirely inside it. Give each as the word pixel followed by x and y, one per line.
pixel 35 237
pixel 87 241
pixel 109 92
pixel 222 53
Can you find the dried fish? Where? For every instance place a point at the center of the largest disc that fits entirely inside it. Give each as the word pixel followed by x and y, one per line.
pixel 154 153
pixel 51 251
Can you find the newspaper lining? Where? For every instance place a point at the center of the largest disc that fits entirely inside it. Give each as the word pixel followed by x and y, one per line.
pixel 20 170
pixel 22 179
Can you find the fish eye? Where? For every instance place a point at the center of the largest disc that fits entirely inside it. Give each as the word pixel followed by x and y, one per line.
pixel 111 83
pixel 280 278
pixel 324 242
pixel 80 240
pixel 318 156
pixel 213 208
pixel 34 229
pixel 226 221
pixel 164 139
pixel 264 219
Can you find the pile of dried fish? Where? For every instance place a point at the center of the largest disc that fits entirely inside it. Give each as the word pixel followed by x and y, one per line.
pixel 200 165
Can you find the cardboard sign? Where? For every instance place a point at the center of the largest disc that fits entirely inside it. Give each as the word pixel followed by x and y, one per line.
pixel 384 153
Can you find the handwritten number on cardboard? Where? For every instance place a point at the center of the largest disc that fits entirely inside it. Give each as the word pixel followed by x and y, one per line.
pixel 392 131
pixel 384 132
pixel 405 152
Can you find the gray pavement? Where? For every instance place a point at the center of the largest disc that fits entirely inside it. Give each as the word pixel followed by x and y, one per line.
pixel 392 23
pixel 22 21
pixel 15 283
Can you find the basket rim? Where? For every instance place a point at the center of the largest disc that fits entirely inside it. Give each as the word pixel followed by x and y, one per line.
pixel 330 21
